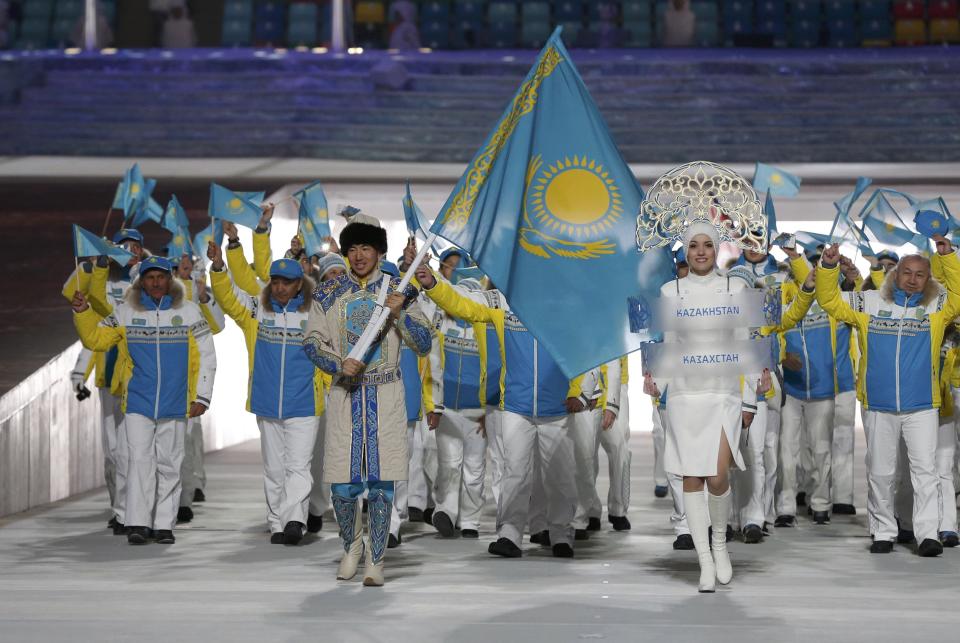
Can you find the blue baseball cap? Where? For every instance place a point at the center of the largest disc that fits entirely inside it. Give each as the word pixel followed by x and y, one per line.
pixel 888 254
pixel 389 268
pixel 155 263
pixel 449 252
pixel 125 234
pixel 286 268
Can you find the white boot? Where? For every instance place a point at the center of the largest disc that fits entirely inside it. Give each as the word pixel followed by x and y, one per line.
pixel 698 520
pixel 719 507
pixel 373 573
pixel 351 530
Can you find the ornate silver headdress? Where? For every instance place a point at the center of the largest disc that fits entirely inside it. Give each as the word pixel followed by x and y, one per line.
pixel 702 191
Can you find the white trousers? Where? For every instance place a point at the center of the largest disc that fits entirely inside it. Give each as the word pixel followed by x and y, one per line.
pixel 750 486
pixel 678 517
pixel 615 442
pixel 494 419
pixel 192 476
pixel 816 416
pixel 548 441
pixel 919 432
pixel 659 444
pixel 903 498
pixel 422 472
pixel 399 512
pixel 155 453
pixel 461 460
pixel 844 414
pixel 585 431
pixel 287 450
pixel 320 493
pixel 771 457
pixel 114 442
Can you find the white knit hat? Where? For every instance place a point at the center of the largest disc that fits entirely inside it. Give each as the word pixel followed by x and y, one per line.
pixel 700 227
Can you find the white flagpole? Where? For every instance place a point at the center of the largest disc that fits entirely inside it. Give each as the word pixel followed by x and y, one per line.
pixel 381 313
pixel 337 39
pixel 90 25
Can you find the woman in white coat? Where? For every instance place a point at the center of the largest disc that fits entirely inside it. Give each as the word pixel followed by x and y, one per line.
pixel 706 414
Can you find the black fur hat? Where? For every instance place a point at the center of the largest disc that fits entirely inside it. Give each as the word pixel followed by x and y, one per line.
pixel 366 230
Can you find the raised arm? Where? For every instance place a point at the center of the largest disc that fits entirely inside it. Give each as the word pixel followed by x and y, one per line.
pixel 447 297
pixel 203 338
pixel 94 335
pixel 828 288
pixel 262 255
pixel 243 275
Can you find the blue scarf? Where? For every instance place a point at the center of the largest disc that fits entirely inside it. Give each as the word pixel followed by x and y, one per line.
pixel 901 298
pixel 292 305
pixel 149 302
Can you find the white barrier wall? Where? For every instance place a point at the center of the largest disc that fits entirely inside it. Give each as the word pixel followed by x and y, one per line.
pixel 50 444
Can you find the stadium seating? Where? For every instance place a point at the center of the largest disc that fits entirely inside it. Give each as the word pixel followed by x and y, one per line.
pixel 302 20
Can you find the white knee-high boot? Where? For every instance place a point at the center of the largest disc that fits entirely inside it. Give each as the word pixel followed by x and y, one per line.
pixel 698 520
pixel 719 507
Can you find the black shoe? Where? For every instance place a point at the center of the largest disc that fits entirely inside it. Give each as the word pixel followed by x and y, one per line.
pixel 112 524
pixel 785 521
pixel 293 533
pixel 184 514
pixel 276 538
pixel 120 530
pixel 766 528
pixel 949 538
pixel 505 547
pixel 802 499
pixel 150 533
pixel 198 495
pixel 730 534
pixel 840 509
pixel 593 524
pixel 137 536
pixel 821 517
pixel 809 511
pixel 428 516
pixel 165 537
pixel 661 491
pixel 541 538
pixel 581 534
pixel 414 514
pixel 314 523
pixel 443 525
pixel 394 541
pixel 469 533
pixel 620 523
pixel 930 548
pixel 905 537
pixel 683 542
pixel 752 534
pixel 562 550
pixel 881 547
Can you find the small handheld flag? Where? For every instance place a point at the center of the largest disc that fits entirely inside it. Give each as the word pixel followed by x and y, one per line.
pixel 213 232
pixel 174 217
pixel 314 218
pixel 225 204
pixel 767 178
pixel 87 244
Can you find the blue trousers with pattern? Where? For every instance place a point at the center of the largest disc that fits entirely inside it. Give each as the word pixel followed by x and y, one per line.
pixel 379 504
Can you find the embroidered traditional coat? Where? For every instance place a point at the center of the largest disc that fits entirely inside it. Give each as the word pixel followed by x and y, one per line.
pixel 366 438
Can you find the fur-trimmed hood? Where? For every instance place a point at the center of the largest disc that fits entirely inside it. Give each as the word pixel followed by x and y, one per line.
pixel 306 289
pixel 132 296
pixel 931 291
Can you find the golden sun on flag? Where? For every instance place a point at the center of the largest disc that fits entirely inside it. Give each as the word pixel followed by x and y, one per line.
pixel 575 197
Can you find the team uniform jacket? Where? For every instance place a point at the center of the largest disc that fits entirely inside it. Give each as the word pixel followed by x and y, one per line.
pixel 900 337
pixel 530 381
pixel 283 382
pixel 166 351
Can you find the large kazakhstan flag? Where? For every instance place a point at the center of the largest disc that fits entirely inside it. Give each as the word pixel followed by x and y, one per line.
pixel 548 209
